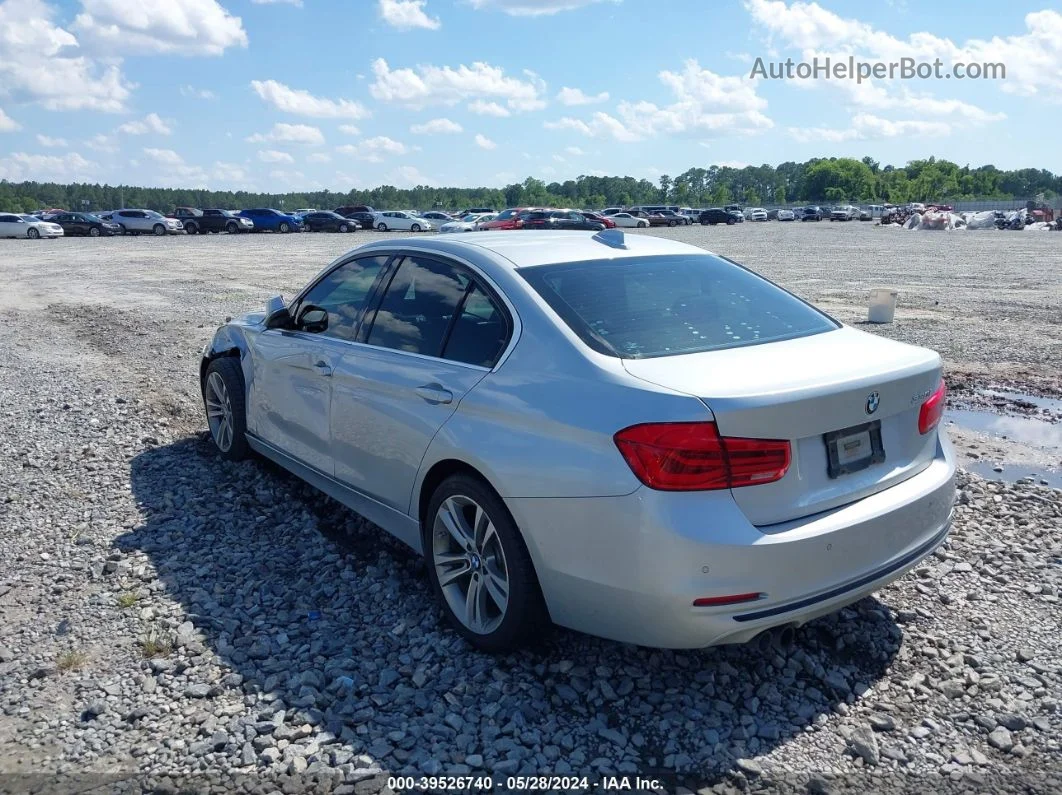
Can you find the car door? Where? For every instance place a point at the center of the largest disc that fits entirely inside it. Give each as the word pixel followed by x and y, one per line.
pixel 291 395
pixel 394 392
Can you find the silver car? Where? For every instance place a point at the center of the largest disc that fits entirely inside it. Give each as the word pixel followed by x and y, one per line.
pixel 135 222
pixel 621 434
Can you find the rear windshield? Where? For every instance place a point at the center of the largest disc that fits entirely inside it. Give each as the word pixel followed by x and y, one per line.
pixel 644 307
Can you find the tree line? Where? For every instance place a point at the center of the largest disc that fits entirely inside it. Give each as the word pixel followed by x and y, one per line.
pixel 819 180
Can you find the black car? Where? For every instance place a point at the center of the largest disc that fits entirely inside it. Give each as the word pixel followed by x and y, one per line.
pixel 324 221
pixel 85 224
pixel 348 210
pixel 717 215
pixel 812 213
pixel 674 218
pixel 559 219
pixel 366 220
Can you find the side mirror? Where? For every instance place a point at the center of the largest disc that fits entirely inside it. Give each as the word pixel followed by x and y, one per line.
pixel 277 315
pixel 312 319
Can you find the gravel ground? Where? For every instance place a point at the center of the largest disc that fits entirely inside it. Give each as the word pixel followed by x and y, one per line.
pixel 172 622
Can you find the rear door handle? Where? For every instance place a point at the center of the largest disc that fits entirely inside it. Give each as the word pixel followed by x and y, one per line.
pixel 322 367
pixel 435 393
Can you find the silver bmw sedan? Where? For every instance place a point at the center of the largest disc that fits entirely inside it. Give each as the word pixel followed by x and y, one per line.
pixel 621 434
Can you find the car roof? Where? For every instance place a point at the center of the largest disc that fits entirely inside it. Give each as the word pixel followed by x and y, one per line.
pixel 529 249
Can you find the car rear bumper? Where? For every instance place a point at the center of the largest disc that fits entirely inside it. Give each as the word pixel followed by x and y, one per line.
pixel 629 568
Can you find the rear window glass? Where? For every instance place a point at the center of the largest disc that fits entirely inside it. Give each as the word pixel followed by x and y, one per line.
pixel 662 306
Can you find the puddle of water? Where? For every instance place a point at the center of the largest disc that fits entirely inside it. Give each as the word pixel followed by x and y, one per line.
pixel 1053 405
pixel 1014 471
pixel 1027 430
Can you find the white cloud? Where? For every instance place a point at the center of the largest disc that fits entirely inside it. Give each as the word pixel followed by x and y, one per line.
pixel 303 103
pixel 273 156
pixel 484 108
pixel 867 127
pixel 574 150
pixel 45 140
pixel 7 124
pixel 436 127
pixel 575 96
pixel 408 177
pixel 296 3
pixel 102 143
pixel 374 149
pixel 531 8
pixel 705 104
pixel 289 133
pixel 483 142
pixel 447 85
pixel 166 157
pixel 349 129
pixel 189 27
pixel 149 124
pixel 21 166
pixel 319 157
pixel 199 93
pixel 407 14
pixel 37 63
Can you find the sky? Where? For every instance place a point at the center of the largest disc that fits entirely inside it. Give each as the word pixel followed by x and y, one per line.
pixel 283 95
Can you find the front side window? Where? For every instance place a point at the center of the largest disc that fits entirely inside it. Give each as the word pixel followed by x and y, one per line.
pixel 660 306
pixel 342 294
pixel 418 307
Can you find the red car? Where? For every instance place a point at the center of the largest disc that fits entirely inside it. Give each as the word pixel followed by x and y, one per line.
pixel 601 219
pixel 506 219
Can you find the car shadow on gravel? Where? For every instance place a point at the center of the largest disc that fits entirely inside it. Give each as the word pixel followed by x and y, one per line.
pixel 341 659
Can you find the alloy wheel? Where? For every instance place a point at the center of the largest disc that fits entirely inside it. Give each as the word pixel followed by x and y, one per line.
pixel 470 564
pixel 219 411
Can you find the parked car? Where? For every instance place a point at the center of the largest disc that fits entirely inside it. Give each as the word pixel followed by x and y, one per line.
pixel 590 215
pixel 866 215
pixel 756 214
pixel 472 210
pixel 844 213
pixel 628 221
pixel 506 219
pixel 674 218
pixel 266 219
pixel 467 223
pixel 786 215
pixel 812 213
pixel 86 224
pixel 14 225
pixel 349 210
pixel 135 222
pixel 212 220
pixel 305 211
pixel 558 220
pixel 717 215
pixel 654 217
pixel 400 221
pixel 437 217
pixel 612 210
pixel 365 220
pixel 326 221
pixel 816 448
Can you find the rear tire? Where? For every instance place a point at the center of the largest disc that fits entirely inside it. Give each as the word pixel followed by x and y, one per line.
pixel 224 402
pixel 158 230
pixel 491 596
pixel 672 223
pixel 381 227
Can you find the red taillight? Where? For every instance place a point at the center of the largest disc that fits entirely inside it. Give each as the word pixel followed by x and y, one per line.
pixel 692 456
pixel 733 599
pixel 932 410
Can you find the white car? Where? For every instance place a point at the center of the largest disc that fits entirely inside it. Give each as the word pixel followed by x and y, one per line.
pixel 12 225
pixel 786 215
pixel 134 222
pixel 467 223
pixel 400 221
pixel 628 221
pixel 756 214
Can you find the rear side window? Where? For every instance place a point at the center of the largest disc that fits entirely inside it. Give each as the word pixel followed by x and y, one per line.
pixel 480 332
pixel 661 306
pixel 419 304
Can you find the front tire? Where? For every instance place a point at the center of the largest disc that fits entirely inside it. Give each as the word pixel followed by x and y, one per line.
pixel 414 228
pixel 158 230
pixel 224 401
pixel 344 228
pixel 94 231
pixel 191 229
pixel 643 226
pixel 32 233
pixel 672 223
pixel 284 228
pixel 232 228
pixel 480 568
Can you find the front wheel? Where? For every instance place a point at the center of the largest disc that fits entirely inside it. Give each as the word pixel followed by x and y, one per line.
pixel 232 228
pixel 158 230
pixel 32 233
pixel 480 568
pixel 344 228
pixel 643 225
pixel 730 222
pixel 414 228
pixel 381 227
pixel 191 229
pixel 122 230
pixel 94 231
pixel 284 228
pixel 223 398
pixel 672 223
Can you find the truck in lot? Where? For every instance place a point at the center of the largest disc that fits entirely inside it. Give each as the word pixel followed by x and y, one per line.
pixel 196 221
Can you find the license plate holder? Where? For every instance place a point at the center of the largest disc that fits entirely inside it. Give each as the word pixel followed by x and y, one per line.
pixel 852 449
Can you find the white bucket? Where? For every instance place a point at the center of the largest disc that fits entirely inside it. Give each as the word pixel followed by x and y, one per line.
pixel 882 306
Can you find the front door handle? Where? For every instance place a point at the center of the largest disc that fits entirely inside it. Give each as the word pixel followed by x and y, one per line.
pixel 435 393
pixel 322 367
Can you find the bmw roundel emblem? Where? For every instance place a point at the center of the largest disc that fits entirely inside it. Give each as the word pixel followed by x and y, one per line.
pixel 872 402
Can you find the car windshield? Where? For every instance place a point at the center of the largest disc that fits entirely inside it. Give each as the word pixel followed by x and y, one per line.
pixel 665 305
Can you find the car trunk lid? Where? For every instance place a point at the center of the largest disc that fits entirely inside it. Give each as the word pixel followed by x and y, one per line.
pixel 806 390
